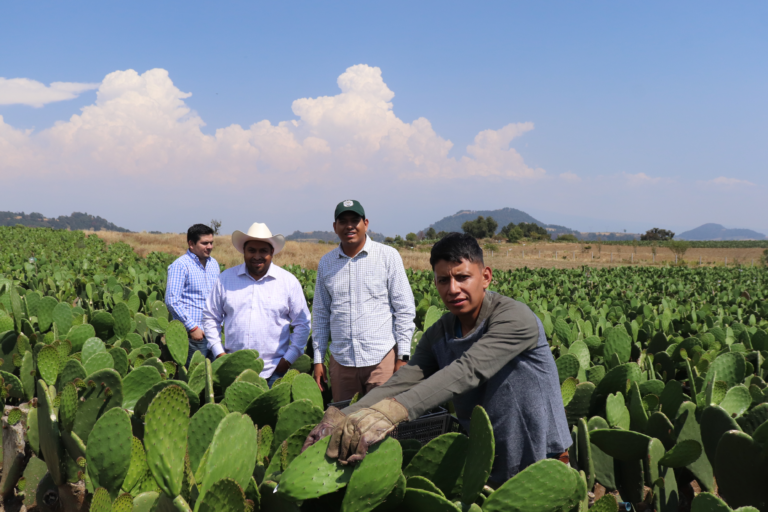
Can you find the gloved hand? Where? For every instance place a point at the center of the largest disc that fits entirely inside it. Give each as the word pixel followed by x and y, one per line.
pixel 364 428
pixel 333 420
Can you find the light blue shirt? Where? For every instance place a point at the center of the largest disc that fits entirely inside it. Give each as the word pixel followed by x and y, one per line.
pixel 188 286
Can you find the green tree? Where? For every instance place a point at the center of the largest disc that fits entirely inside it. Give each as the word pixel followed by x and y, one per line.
pixel 431 234
pixel 480 227
pixel 567 238
pixel 657 234
pixel 411 237
pixel 678 247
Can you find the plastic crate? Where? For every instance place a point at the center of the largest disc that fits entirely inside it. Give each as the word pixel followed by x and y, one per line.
pixel 427 427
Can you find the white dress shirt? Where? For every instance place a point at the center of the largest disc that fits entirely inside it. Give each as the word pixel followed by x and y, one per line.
pixel 258 314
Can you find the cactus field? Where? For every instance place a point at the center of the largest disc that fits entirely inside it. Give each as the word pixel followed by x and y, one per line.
pixel 662 369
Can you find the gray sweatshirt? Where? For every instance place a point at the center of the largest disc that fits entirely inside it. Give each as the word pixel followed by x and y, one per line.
pixel 504 364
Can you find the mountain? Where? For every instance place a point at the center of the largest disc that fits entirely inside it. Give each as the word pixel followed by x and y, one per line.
pixel 503 216
pixel 327 236
pixel 719 232
pixel 71 222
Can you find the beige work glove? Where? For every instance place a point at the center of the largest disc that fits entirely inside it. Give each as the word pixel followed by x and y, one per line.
pixel 364 428
pixel 333 420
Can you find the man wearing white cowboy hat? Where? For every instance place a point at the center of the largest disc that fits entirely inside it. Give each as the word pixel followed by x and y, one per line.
pixel 258 303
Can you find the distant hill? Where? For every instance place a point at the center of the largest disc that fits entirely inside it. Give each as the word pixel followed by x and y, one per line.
pixel 503 216
pixel 72 222
pixel 327 236
pixel 719 232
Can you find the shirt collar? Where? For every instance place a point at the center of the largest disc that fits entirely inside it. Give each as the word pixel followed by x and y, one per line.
pixel 366 248
pixel 271 272
pixel 195 258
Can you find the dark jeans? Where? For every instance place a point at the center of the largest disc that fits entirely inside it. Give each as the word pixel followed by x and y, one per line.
pixel 201 346
pixel 272 378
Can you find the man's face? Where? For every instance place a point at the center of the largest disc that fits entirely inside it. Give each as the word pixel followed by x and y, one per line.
pixel 462 285
pixel 258 257
pixel 203 247
pixel 351 228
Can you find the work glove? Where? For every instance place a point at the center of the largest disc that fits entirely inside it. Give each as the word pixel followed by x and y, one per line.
pixel 364 428
pixel 333 420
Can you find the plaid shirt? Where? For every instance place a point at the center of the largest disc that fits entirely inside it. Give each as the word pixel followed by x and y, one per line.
pixel 258 315
pixel 188 287
pixel 365 304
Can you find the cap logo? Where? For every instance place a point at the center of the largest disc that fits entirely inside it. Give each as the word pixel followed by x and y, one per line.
pixel 348 203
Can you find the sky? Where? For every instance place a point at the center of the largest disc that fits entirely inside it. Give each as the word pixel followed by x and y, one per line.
pixel 599 116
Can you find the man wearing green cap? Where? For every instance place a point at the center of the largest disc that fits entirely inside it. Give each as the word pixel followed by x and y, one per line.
pixel 363 303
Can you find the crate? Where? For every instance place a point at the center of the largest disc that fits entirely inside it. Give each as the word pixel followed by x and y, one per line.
pixel 427 427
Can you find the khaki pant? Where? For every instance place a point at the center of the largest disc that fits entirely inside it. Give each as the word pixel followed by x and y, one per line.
pixel 348 380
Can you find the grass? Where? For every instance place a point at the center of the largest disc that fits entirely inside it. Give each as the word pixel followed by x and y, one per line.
pixel 508 256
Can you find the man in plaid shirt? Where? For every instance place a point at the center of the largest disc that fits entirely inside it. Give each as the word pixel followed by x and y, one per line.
pixel 190 280
pixel 364 304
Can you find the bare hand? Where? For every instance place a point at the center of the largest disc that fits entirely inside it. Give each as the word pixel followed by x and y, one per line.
pixel 319 373
pixel 282 367
pixel 399 364
pixel 197 334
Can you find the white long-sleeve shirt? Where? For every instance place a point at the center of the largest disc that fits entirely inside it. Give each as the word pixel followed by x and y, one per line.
pixel 258 315
pixel 364 304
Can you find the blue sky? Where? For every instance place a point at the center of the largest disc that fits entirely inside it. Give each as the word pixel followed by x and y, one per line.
pixel 618 115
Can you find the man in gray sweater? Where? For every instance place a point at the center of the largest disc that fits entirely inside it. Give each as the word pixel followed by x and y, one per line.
pixel 489 350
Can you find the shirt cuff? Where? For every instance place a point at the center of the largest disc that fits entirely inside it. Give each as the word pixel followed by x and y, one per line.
pixel 189 324
pixel 403 349
pixel 217 349
pixel 319 357
pixel 291 355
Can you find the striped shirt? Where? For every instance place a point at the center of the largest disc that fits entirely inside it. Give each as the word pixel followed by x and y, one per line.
pixel 258 315
pixel 188 286
pixel 364 304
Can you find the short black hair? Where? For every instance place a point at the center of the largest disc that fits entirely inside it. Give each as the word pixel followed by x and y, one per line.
pixel 198 230
pixel 455 247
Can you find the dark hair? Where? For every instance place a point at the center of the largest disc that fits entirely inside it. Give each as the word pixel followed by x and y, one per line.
pixel 198 230
pixel 455 247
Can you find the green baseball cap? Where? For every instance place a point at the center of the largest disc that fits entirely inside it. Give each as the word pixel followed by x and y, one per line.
pixel 349 205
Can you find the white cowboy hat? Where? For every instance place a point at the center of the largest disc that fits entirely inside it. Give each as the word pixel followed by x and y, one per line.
pixel 261 232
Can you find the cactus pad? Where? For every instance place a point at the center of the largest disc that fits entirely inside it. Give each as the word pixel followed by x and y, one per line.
pixel 706 502
pixel 224 496
pixel 419 482
pixel 621 444
pixel 143 403
pixel 616 412
pixel 12 384
pixel 740 470
pixel 109 450
pixel 104 391
pixel 68 407
pixel 137 469
pixel 547 485
pixel 480 454
pixel 91 347
pixel 687 427
pixel 292 417
pixel 605 504
pixel 100 361
pixel 374 477
pixel 618 379
pixel 736 401
pixel 618 342
pixel 312 474
pixel 567 366
pixel 177 340
pixel 682 454
pixel 234 365
pixel 50 443
pixel 137 383
pixel 165 438
pixel 120 360
pixel 231 453
pixel 202 427
pixel 417 499
pixel 715 422
pixel 71 371
pixel 730 367
pixel 441 460
pixel 240 394
pixel 254 378
pixel 264 410
pixel 304 387
pixel 101 501
pixel 48 364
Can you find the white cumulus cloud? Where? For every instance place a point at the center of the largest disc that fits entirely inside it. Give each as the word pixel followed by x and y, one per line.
pixel 23 91
pixel 140 125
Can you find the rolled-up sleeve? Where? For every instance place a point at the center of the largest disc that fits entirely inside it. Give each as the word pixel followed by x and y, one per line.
pixel 321 317
pixel 300 321
pixel 213 317
pixel 402 302
pixel 177 277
